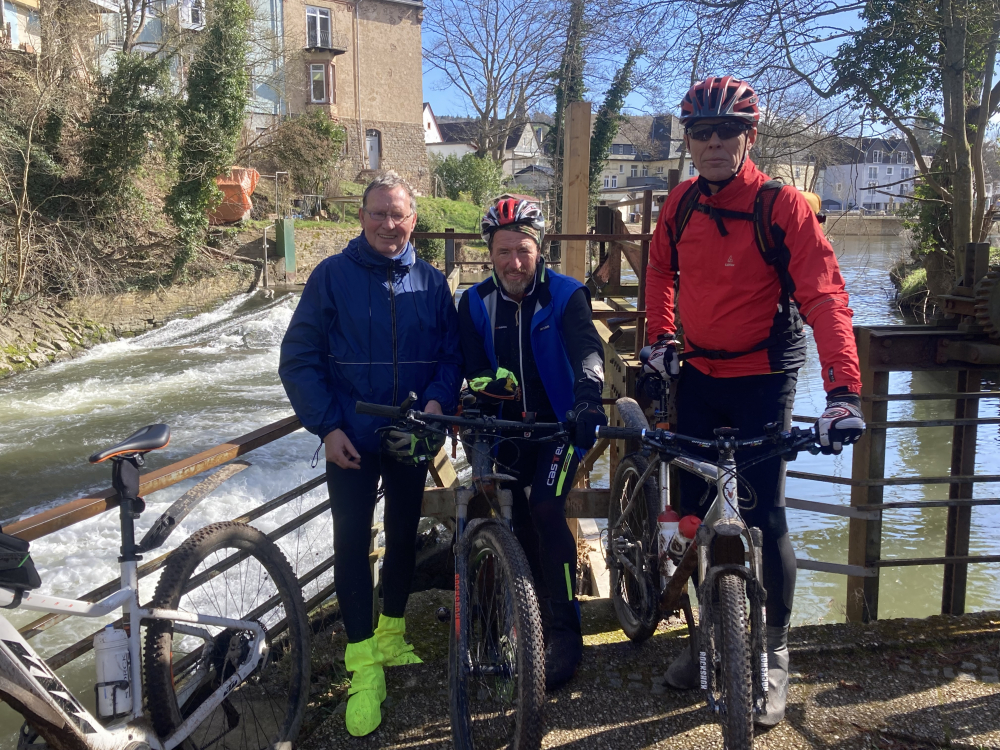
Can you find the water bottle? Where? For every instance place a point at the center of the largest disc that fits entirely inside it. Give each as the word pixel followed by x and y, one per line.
pixel 687 527
pixel 667 525
pixel 114 698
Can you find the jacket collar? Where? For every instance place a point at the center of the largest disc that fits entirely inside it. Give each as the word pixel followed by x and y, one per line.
pixel 364 254
pixel 744 186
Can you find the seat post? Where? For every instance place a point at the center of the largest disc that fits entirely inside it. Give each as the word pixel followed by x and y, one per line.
pixel 125 480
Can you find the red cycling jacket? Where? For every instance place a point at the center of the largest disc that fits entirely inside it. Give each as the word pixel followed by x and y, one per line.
pixel 730 297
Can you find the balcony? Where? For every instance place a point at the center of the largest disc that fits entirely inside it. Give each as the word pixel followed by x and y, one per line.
pixel 326 41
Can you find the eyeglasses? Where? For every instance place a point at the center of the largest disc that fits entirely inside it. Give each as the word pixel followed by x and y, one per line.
pixel 396 218
pixel 726 130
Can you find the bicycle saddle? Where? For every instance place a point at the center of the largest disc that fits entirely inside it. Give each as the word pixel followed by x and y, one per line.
pixel 149 438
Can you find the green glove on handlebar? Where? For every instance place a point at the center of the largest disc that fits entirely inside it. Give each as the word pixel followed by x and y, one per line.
pixel 503 387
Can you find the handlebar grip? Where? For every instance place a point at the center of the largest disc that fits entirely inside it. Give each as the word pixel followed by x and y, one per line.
pixel 378 410
pixel 620 433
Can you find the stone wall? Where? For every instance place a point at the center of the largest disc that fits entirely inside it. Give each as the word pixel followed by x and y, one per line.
pixel 36 336
pixel 403 150
pixel 854 225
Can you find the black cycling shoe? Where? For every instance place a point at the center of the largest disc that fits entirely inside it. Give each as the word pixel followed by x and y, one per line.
pixel 562 657
pixel 683 672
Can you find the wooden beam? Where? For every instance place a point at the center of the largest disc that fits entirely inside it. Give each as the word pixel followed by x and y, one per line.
pixel 576 188
pixel 865 535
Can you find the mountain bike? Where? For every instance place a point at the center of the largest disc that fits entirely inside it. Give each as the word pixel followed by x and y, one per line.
pixel 225 663
pixel 496 652
pixel 646 585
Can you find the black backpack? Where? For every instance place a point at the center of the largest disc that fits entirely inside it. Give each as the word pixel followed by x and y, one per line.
pixel 771 243
pixel 17 569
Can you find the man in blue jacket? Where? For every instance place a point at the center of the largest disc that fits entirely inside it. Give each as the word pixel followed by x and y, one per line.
pixel 374 323
pixel 530 346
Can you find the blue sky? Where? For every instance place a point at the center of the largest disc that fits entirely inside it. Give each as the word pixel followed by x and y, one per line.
pixel 448 101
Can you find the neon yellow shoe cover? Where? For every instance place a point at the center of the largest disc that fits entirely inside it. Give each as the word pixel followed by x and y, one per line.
pixel 395 651
pixel 364 662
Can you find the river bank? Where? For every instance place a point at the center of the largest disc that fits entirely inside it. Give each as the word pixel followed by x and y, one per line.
pixel 51 331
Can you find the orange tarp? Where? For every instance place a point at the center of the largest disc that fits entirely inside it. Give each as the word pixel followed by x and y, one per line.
pixel 236 187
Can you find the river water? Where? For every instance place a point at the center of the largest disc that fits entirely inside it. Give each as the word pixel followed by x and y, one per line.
pixel 214 377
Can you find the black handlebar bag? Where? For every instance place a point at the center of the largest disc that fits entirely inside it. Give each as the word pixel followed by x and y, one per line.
pixel 17 569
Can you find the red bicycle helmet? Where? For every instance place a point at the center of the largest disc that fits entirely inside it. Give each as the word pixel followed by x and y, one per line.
pixel 720 97
pixel 510 213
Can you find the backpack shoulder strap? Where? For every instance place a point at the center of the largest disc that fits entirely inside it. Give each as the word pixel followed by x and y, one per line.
pixel 685 207
pixel 770 237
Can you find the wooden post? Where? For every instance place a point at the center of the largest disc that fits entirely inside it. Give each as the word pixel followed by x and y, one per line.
pixel 865 537
pixel 963 463
pixel 673 178
pixel 576 188
pixel 449 253
pixel 647 223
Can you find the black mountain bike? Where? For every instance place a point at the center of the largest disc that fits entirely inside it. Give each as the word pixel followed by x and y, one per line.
pixel 496 654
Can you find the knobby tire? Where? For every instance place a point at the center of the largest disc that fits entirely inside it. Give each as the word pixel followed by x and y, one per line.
pixel 635 599
pixel 734 685
pixel 499 629
pixel 268 706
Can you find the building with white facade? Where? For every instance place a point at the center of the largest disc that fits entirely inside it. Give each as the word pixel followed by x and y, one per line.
pixel 876 174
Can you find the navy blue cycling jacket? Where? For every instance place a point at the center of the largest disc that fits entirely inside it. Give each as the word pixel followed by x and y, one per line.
pixel 370 328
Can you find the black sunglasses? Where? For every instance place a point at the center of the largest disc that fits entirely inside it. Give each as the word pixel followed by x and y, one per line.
pixel 726 130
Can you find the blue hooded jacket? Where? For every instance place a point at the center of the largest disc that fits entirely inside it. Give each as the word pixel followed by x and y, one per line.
pixel 370 328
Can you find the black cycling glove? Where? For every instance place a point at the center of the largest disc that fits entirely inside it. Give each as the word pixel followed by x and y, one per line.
pixel 588 417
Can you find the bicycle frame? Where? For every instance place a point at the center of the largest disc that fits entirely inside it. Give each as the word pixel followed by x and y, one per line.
pixel 26 677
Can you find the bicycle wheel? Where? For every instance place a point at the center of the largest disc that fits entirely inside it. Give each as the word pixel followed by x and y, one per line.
pixel 229 570
pixel 734 685
pixel 497 665
pixel 635 536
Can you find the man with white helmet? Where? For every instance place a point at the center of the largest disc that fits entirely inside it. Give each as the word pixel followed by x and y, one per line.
pixel 750 263
pixel 531 350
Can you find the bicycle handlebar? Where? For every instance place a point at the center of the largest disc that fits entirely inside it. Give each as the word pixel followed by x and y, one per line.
pixel 379 410
pixel 486 423
pixel 795 439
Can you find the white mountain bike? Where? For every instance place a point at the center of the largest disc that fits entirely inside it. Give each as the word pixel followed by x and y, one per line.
pixel 226 657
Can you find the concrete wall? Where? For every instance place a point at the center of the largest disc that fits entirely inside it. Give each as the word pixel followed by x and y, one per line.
pixel 854 225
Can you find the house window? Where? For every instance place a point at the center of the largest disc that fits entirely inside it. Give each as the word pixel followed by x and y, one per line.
pixel 902 158
pixel 635 171
pixel 616 149
pixel 691 170
pixel 621 169
pixel 645 171
pixel 872 173
pixel 197 13
pixel 901 190
pixel 317 83
pixel 317 27
pixel 614 180
pixel 877 156
pixel 904 172
pixel 607 182
pixel 888 171
pixel 840 188
pixel 871 188
pixel 659 170
pixel 798 172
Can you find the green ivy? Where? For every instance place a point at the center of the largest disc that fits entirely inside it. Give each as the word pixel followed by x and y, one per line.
pixel 132 110
pixel 211 121
pixel 609 118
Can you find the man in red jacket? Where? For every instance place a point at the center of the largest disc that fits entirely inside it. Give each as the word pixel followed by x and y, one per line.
pixel 742 313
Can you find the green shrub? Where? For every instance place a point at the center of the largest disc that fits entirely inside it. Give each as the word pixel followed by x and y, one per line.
pixel 482 178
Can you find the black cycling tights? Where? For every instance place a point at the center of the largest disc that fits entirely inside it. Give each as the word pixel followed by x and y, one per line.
pixel 540 523
pixel 353 494
pixel 747 403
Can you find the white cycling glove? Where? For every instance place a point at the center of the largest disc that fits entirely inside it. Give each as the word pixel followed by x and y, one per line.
pixel 663 358
pixel 842 423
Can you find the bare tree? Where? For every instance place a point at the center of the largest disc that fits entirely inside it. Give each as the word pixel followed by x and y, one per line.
pixel 499 56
